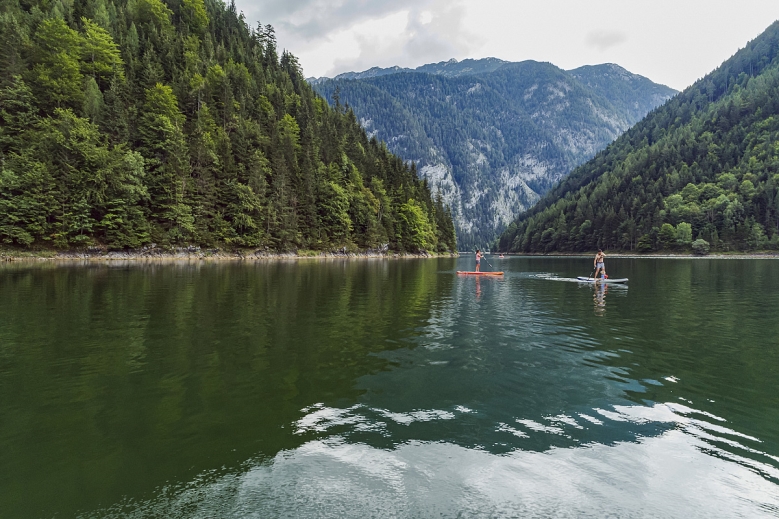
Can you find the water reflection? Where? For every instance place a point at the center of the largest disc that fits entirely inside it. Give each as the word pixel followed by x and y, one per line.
pixel 599 298
pixel 671 475
pixel 114 380
pixel 393 389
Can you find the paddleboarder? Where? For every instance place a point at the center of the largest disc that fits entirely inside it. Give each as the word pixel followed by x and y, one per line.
pixel 478 259
pixel 600 259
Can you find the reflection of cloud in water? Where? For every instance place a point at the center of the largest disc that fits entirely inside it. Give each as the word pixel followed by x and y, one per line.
pixel 320 419
pixel 675 474
pixel 682 472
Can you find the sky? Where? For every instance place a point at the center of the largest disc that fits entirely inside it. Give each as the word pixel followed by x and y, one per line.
pixel 673 42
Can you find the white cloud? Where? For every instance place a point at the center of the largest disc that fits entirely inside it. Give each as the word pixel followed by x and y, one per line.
pixel 604 40
pixel 409 38
pixel 314 20
pixel 670 41
pixel 336 36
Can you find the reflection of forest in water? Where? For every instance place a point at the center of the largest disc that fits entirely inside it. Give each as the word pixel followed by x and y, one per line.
pixel 116 380
pixel 113 378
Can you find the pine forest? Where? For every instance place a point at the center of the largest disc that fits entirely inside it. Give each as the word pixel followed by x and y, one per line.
pixel 699 173
pixel 125 123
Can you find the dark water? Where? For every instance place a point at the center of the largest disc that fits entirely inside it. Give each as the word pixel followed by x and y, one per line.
pixel 389 389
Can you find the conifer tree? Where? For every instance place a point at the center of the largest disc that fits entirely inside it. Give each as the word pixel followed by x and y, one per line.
pixel 130 122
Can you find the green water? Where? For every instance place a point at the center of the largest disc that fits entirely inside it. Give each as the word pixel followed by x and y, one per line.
pixel 389 389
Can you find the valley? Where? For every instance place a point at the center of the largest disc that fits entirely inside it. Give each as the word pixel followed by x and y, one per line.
pixel 492 137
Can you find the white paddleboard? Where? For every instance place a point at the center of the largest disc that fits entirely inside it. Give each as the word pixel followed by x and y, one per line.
pixel 599 280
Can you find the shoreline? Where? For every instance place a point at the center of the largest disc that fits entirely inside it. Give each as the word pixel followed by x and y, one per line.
pixel 655 255
pixel 197 254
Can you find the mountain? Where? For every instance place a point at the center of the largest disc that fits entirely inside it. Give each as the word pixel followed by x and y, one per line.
pixel 466 67
pixel 130 122
pixel 371 72
pixel 494 136
pixel 701 172
pixel 630 93
pixel 451 68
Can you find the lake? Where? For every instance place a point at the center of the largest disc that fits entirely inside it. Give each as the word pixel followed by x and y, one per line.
pixel 389 388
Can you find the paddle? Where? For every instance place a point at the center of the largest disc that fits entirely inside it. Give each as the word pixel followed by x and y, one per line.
pixel 488 263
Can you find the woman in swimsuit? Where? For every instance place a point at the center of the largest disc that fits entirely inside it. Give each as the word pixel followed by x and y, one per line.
pixel 478 259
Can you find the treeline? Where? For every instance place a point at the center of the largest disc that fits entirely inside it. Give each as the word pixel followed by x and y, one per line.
pixel 130 122
pixel 700 172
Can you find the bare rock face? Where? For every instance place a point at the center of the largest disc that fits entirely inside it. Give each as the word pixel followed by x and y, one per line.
pixel 493 136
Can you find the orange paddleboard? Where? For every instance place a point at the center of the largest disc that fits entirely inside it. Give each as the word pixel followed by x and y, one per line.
pixel 479 273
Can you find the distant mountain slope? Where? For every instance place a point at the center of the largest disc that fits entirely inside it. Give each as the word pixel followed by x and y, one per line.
pixel 703 166
pixel 635 94
pixel 494 136
pixel 466 67
pixel 371 72
pixel 451 68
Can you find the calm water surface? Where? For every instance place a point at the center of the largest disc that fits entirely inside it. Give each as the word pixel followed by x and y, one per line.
pixel 389 389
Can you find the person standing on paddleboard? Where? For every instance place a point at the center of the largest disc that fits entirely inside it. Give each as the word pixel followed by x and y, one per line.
pixel 600 259
pixel 478 259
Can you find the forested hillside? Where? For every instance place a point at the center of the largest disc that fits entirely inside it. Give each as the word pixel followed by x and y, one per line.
pixel 700 172
pixel 494 136
pixel 130 122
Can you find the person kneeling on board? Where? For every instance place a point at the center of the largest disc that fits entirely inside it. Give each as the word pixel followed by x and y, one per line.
pixel 600 259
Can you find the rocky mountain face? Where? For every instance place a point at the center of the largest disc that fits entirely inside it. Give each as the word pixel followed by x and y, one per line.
pixel 493 136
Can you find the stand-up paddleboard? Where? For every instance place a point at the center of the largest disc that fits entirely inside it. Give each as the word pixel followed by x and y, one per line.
pixel 600 280
pixel 463 273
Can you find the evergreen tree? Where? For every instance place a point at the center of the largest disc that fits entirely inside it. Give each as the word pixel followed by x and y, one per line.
pixel 705 166
pixel 130 122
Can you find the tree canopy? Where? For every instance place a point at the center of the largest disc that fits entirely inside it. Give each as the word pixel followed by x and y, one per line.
pixel 703 168
pixel 130 122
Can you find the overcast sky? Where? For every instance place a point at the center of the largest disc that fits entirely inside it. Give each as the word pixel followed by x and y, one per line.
pixel 673 42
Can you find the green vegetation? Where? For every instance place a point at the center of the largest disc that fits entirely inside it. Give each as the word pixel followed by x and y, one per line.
pixel 701 171
pixel 130 122
pixel 700 247
pixel 494 136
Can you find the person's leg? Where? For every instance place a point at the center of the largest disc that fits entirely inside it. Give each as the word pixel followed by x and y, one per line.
pixel 477 266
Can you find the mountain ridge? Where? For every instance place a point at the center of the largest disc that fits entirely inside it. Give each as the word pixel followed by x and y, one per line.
pixel 449 68
pixel 493 142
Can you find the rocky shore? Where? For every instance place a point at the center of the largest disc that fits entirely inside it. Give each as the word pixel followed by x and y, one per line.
pixel 633 255
pixel 197 253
